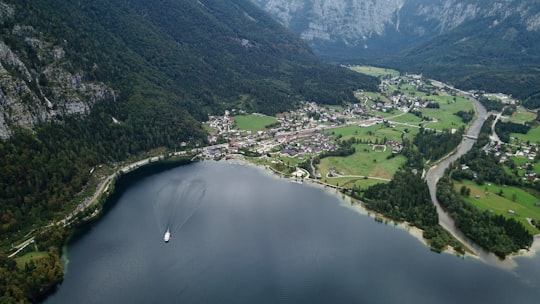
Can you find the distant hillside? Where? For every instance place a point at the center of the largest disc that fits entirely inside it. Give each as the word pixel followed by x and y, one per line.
pixel 89 82
pixel 482 55
pixel 490 45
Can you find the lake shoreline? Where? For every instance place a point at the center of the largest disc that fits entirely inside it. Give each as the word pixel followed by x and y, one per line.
pixel 297 234
pixel 358 206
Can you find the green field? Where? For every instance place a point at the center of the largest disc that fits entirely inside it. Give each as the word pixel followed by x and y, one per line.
pixel 209 129
pixel 485 197
pixel 374 96
pixel 253 122
pixel 336 108
pixel 406 89
pixel 522 116
pixel 407 118
pixel 291 161
pixel 445 114
pixel 374 133
pixel 21 261
pixel 349 182
pixel 365 162
pixel 532 136
pixel 374 71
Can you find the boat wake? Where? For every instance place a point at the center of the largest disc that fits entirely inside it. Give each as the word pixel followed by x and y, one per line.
pixel 175 203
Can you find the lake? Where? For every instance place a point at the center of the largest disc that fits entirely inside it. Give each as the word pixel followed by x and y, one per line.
pixel 241 235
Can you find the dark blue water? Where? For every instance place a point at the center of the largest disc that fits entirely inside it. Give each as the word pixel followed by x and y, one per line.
pixel 255 238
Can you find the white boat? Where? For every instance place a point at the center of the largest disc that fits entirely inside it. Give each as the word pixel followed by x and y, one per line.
pixel 167 236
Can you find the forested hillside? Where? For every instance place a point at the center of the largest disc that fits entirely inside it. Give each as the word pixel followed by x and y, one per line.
pixel 482 55
pixel 167 63
pixel 84 83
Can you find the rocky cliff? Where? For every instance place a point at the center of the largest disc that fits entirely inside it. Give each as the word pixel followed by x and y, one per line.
pixel 473 44
pixel 370 26
pixel 37 82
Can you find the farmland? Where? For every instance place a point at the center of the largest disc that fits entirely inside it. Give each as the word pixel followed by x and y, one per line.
pixel 511 202
pixel 253 122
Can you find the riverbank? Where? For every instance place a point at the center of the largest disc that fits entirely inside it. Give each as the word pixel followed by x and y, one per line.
pixel 437 171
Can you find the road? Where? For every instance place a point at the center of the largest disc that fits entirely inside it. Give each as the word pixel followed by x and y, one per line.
pixel 21 246
pixel 101 188
pixel 493 136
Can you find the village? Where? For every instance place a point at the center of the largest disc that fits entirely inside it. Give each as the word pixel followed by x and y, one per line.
pixel 308 131
pixel 301 131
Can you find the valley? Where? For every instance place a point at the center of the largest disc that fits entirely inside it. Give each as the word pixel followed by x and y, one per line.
pixel 307 144
pixel 377 124
pixel 98 92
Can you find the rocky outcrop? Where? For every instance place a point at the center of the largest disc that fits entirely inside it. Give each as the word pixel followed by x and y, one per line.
pixel 349 21
pixel 36 83
pixel 368 24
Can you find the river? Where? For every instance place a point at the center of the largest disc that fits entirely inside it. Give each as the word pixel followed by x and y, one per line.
pixel 437 171
pixel 252 237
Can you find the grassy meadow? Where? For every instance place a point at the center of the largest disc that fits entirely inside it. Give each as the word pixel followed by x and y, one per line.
pixel 253 122
pixel 365 162
pixel 532 136
pixel 349 182
pixel 486 197
pixel 21 261
pixel 374 71
pixel 374 133
pixel 522 116
pixel 375 96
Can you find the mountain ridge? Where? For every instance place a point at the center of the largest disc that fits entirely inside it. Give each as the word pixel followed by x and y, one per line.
pixel 472 44
pixel 355 23
pixel 200 59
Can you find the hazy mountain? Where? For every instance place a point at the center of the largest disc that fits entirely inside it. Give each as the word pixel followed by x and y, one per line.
pixel 340 27
pixel 473 43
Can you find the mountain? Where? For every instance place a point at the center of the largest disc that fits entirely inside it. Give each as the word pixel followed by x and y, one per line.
pixel 490 45
pixel 65 56
pixel 89 82
pixel 85 83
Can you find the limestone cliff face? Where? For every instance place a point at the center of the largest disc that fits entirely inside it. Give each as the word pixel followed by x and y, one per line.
pixel 350 21
pixel 36 81
pixel 372 23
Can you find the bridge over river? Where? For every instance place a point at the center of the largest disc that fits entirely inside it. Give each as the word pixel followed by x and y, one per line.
pixel 437 171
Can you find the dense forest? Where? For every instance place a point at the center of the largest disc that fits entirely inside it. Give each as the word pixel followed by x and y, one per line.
pixel 434 145
pixel 170 64
pixel 504 129
pixel 466 116
pixel 491 104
